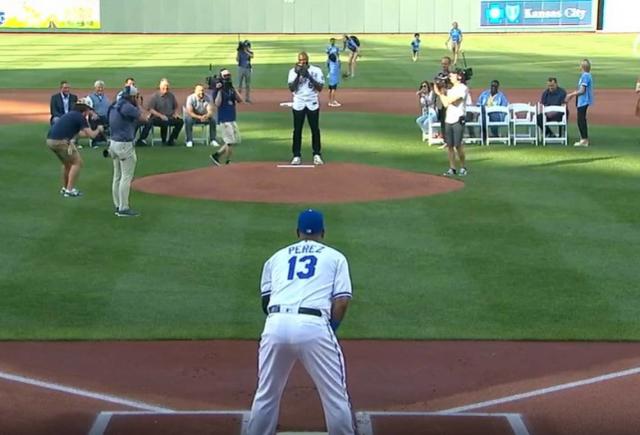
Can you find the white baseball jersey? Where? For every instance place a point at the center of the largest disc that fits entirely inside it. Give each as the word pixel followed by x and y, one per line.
pixel 306 274
pixel 306 95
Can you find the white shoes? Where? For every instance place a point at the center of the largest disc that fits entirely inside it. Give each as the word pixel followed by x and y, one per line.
pixel 189 144
pixel 582 143
pixel 296 161
pixel 213 143
pixel 317 160
pixel 334 104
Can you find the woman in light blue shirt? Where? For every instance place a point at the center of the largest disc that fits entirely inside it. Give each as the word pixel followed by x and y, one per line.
pixel 584 100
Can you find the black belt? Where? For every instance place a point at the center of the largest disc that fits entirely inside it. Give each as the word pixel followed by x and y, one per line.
pixel 301 310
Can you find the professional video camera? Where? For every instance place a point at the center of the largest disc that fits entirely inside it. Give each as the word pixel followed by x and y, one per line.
pixel 244 45
pixel 211 79
pixel 467 73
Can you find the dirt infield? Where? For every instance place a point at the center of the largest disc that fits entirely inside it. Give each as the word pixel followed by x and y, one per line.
pixel 272 181
pixel 552 388
pixel 612 106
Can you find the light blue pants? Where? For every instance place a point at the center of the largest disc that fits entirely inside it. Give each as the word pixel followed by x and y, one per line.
pixel 426 119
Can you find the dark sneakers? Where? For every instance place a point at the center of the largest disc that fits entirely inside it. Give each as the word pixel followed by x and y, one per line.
pixel 127 213
pixel 214 159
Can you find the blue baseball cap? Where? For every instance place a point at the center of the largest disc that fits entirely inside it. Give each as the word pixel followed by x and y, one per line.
pixel 310 222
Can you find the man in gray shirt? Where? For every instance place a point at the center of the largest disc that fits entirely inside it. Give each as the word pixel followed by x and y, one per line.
pixel 165 112
pixel 244 56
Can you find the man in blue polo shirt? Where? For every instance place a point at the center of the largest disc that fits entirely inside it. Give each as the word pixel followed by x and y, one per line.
pixel 60 140
pixel 492 97
pixel 123 120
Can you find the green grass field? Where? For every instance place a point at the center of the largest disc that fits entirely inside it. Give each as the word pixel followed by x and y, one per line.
pixel 540 244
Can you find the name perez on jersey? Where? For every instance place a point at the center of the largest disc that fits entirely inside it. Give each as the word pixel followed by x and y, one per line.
pixel 305 249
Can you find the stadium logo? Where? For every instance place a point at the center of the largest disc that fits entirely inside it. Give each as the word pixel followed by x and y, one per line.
pixel 512 13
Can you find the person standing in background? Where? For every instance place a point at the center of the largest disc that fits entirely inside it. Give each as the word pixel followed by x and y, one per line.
pixel 584 99
pixel 455 37
pixel 415 47
pixel 332 48
pixel 333 80
pixel 353 44
pixel 243 58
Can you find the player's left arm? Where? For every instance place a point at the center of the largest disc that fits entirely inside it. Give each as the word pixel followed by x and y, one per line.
pixel 342 293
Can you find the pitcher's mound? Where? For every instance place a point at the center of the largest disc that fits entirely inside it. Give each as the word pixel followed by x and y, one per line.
pixel 275 182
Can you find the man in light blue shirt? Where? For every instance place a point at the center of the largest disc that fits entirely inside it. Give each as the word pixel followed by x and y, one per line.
pixel 101 105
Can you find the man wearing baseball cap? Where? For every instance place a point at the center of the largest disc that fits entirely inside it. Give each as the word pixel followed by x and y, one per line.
pixel 60 140
pixel 305 290
pixel 123 120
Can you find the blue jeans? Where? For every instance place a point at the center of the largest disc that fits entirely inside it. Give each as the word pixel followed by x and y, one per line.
pixel 189 122
pixel 425 120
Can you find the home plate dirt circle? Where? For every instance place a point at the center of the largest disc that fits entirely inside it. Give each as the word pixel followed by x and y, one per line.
pixel 275 182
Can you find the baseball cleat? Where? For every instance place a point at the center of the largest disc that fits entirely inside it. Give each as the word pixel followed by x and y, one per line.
pixel 296 161
pixel 317 160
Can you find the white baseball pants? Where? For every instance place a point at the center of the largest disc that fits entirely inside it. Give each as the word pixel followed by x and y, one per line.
pixel 288 337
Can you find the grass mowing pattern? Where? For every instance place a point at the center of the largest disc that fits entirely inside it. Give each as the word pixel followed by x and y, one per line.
pixel 540 243
pixel 517 60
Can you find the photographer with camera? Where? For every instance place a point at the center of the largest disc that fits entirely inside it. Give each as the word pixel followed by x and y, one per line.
pixel 306 82
pixel 124 117
pixel 454 100
pixel 243 58
pixel 225 98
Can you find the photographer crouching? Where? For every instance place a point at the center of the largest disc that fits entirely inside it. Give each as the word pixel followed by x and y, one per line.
pixel 124 116
pixel 454 101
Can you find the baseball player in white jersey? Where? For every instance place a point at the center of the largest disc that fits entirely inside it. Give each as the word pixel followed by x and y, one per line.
pixel 305 290
pixel 306 82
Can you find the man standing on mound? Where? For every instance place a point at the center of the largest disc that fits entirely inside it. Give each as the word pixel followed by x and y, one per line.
pixel 306 82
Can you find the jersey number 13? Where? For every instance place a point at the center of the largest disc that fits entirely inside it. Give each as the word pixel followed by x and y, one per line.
pixel 307 263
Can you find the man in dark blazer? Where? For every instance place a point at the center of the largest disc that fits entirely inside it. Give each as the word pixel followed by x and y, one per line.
pixel 62 102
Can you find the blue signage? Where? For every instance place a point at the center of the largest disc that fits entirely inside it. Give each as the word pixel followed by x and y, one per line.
pixel 499 13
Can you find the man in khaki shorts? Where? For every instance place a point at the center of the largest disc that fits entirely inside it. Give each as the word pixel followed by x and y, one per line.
pixel 59 140
pixel 123 120
pixel 225 98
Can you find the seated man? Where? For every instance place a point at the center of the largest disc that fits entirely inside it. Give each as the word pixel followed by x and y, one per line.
pixel 62 102
pixel 164 110
pixel 553 96
pixel 492 97
pixel 101 105
pixel 199 110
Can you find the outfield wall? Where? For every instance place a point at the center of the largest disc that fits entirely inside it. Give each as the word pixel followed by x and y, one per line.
pixel 337 16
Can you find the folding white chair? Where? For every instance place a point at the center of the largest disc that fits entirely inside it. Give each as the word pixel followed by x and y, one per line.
pixel 500 126
pixel 201 133
pixel 561 125
pixel 435 128
pixel 473 124
pixel 155 139
pixel 524 123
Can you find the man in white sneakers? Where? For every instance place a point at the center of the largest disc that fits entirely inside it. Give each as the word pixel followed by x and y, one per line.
pixel 454 100
pixel 306 82
pixel 199 110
